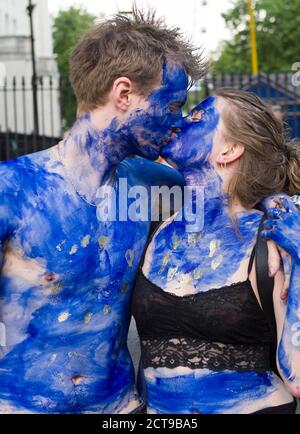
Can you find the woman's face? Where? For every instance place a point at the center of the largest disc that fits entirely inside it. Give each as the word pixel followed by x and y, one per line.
pixel 201 138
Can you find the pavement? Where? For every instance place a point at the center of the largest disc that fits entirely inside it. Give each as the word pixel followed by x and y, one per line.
pixel 134 345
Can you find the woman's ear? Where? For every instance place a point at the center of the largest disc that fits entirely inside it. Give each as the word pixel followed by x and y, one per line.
pixel 121 93
pixel 230 154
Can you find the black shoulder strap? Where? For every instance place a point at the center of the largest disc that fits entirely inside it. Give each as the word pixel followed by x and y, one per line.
pixel 265 285
pixel 251 262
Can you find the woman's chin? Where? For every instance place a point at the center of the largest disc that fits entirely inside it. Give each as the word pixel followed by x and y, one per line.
pixel 169 152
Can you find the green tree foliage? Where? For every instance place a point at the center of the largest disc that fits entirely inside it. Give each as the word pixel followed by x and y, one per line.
pixel 278 36
pixel 68 28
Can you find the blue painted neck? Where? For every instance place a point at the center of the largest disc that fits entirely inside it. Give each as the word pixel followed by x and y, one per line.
pixel 204 176
pixel 216 203
pixel 90 152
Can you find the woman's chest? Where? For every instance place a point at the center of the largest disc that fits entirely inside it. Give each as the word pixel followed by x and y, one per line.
pixel 187 263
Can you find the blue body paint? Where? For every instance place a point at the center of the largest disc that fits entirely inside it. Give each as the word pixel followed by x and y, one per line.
pixel 283 228
pixel 183 264
pixel 147 132
pixel 196 393
pixel 190 154
pixel 66 278
pixel 72 319
pixel 193 146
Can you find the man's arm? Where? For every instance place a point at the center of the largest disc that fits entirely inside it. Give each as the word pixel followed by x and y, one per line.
pixel 153 174
pixel 2 325
pixel 161 181
pixel 288 354
pixel 274 256
pixel 9 194
pixel 283 227
pixel 4 226
pixel 4 230
pixel 9 190
pixel 1 254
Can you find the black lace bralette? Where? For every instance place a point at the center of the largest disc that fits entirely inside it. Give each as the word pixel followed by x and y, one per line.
pixel 221 329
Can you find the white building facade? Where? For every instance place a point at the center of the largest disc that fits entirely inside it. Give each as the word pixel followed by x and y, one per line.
pixel 16 100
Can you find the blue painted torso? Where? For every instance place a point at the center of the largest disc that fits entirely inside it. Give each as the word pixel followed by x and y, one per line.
pixel 65 290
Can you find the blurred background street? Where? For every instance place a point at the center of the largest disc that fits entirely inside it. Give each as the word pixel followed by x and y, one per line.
pixel 134 345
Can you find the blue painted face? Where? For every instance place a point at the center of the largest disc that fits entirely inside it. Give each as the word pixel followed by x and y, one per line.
pixel 148 131
pixel 194 143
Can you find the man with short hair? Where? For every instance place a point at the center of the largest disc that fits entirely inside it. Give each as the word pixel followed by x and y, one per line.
pixel 66 276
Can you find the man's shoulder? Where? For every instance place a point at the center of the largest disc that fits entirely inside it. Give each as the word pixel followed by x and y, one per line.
pixel 10 186
pixel 9 176
pixel 16 173
pixel 145 172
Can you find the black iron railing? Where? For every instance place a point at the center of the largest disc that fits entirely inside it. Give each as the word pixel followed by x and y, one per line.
pixel 57 107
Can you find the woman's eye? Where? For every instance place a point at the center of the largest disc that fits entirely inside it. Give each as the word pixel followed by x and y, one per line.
pixel 197 115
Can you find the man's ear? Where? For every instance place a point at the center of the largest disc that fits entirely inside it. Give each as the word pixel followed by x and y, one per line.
pixel 230 154
pixel 121 93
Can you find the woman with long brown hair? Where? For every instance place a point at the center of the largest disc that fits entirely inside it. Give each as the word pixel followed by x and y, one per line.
pixel 206 341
